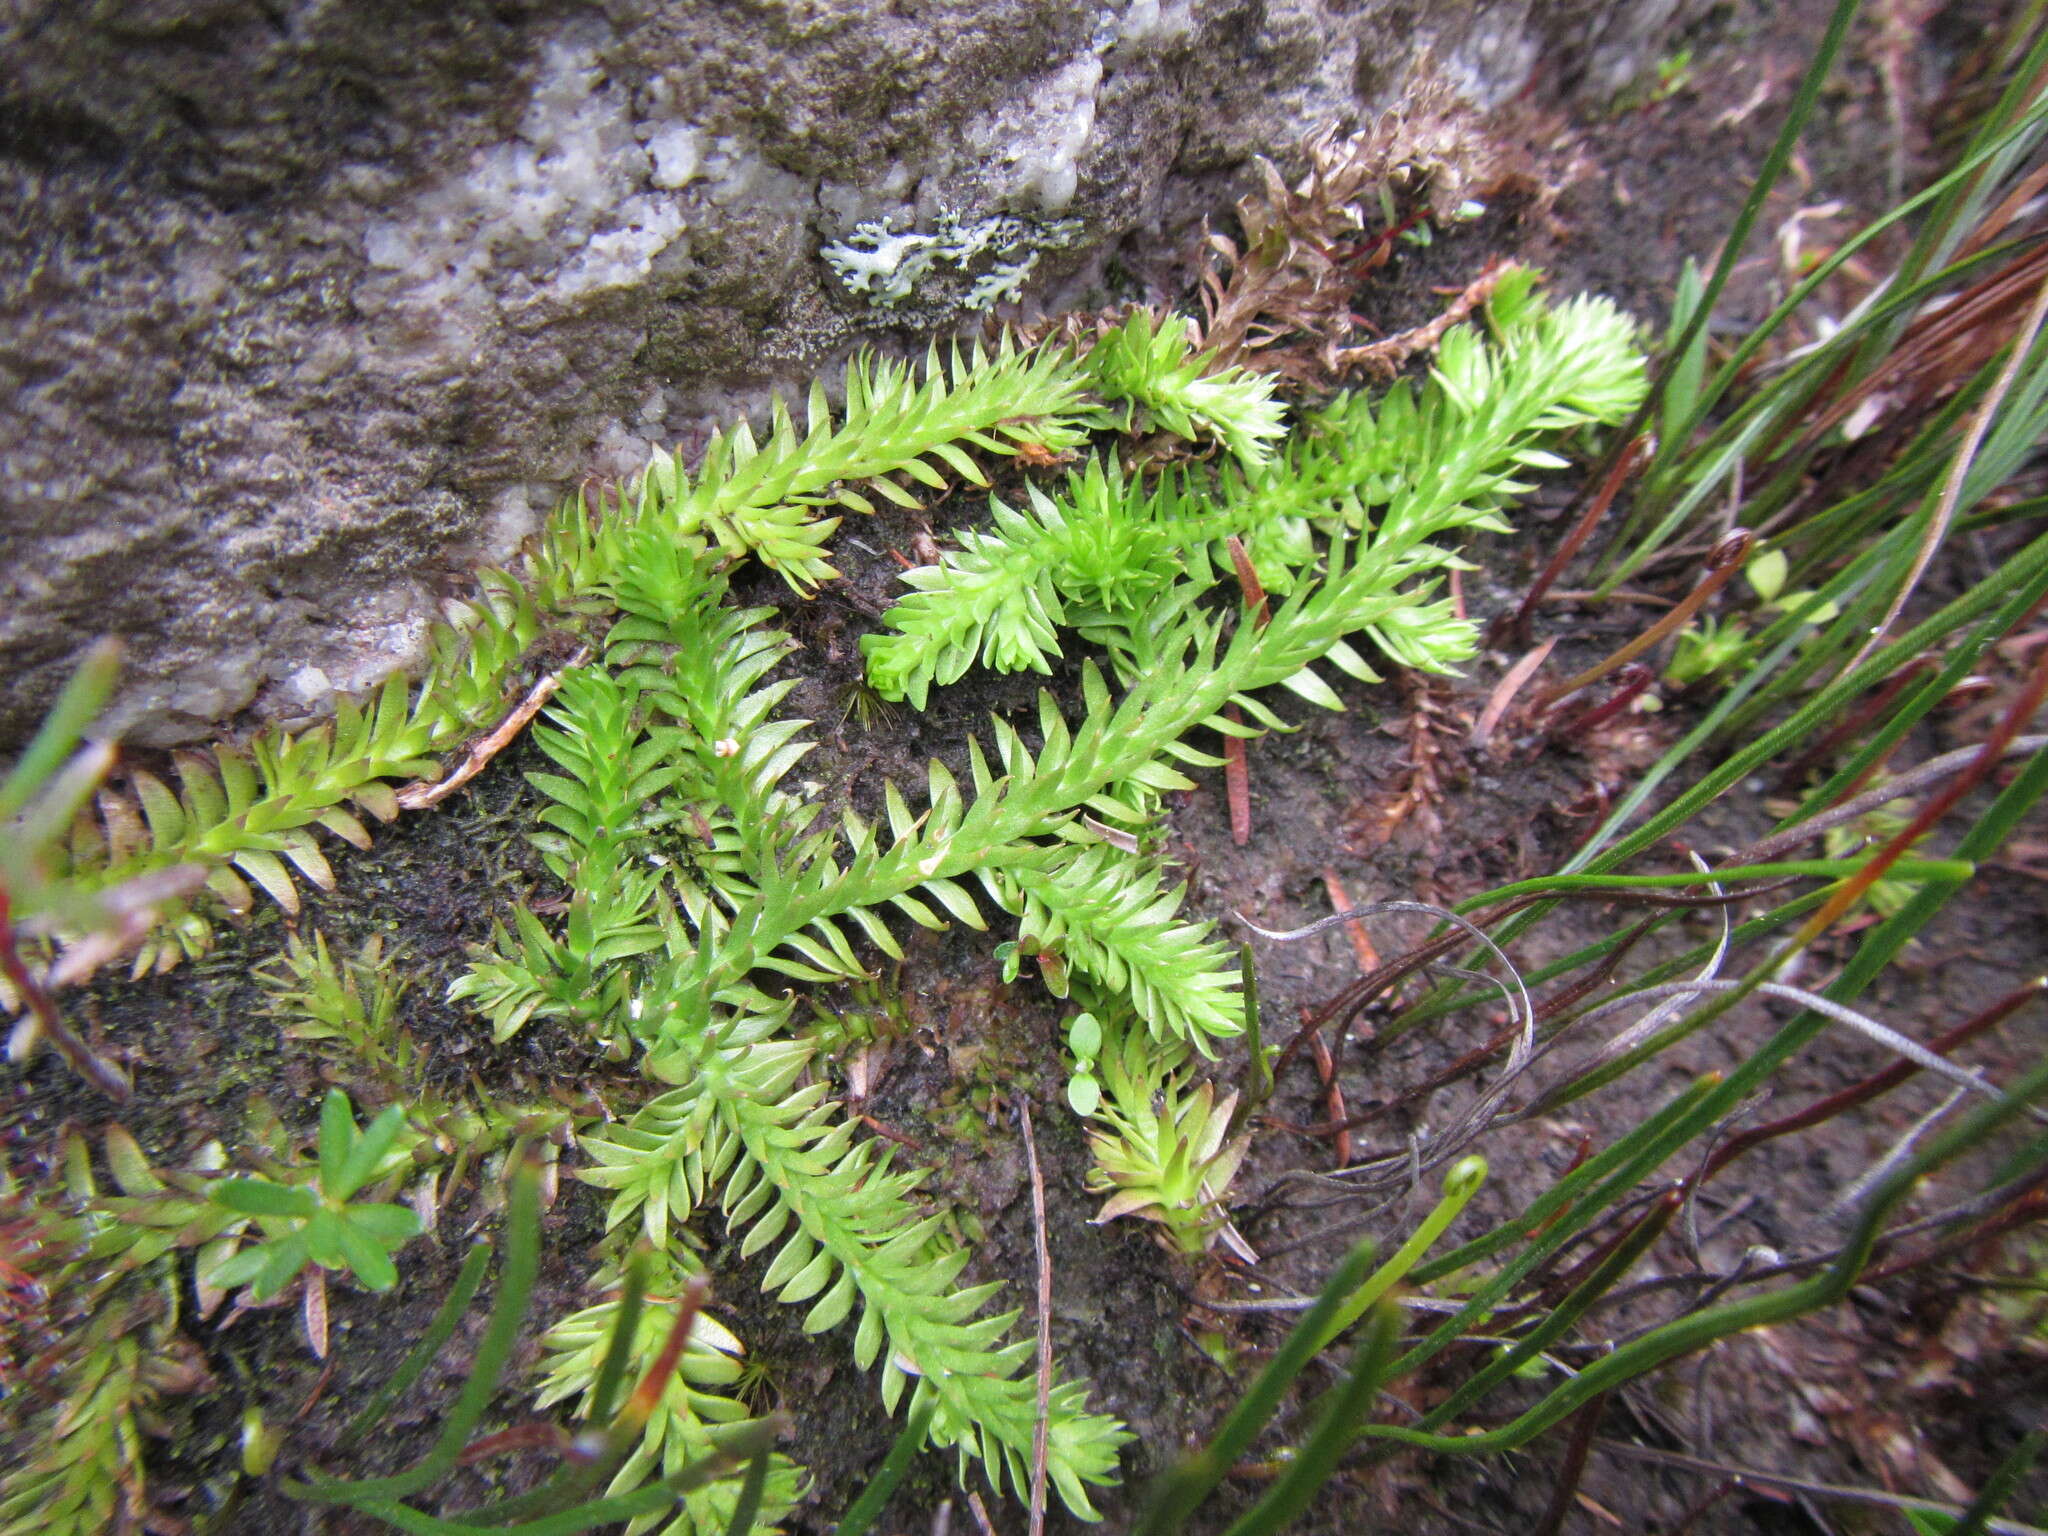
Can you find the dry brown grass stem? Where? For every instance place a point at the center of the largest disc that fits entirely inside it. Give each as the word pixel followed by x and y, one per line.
pixel 422 793
pixel 1044 1252
pixel 1959 469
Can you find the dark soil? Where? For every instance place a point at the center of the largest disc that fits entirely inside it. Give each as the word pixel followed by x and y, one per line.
pixel 1915 1386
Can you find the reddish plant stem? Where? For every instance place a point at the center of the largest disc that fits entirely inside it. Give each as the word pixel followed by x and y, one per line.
pixel 1237 783
pixel 1336 1126
pixel 647 1396
pixel 1355 998
pixel 36 998
pixel 1628 687
pixel 1517 625
pixel 1659 1215
pixel 537 1436
pixel 1722 564
pixel 319 1387
pixel 1361 254
pixel 1474 1059
pixel 890 1133
pixel 2025 1209
pixel 1237 788
pixel 1504 693
pixel 1585 1424
pixel 1921 359
pixel 1851 890
pixel 424 793
pixel 1698 1511
pixel 1870 1088
pixel 1361 942
pixel 1333 1097
pixel 1248 578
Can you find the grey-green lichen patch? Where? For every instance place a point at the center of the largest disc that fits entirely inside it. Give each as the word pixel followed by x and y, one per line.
pixel 886 266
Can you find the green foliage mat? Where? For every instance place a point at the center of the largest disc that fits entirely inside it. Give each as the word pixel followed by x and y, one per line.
pixel 704 887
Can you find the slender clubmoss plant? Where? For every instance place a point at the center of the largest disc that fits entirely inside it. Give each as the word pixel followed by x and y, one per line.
pixel 1109 916
pixel 763 499
pixel 684 674
pixel 674 764
pixel 1396 473
pixel 705 880
pixel 246 817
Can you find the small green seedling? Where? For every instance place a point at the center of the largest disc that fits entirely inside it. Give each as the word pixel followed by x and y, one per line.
pixel 1084 1039
pixel 1874 829
pixel 1709 647
pixel 303 1223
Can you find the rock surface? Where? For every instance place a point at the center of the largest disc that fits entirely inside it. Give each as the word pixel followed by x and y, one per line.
pixel 309 306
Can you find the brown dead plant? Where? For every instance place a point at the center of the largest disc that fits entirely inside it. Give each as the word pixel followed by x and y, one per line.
pixel 1283 288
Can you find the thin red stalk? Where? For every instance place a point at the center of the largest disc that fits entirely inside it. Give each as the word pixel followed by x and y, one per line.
pixel 1472 1060
pixel 83 1060
pixel 1361 942
pixel 424 792
pixel 1333 1097
pixel 1574 541
pixel 1661 1210
pixel 1871 1087
pixel 1722 565
pixel 1505 690
pixel 1628 687
pixel 648 1394
pixel 1369 248
pixel 1310 1023
pixel 319 1387
pixel 1355 998
pixel 2026 1208
pixel 537 1436
pixel 1237 783
pixel 1585 1423
pixel 1713 1496
pixel 1335 1126
pixel 1988 756
pixel 1248 578
pixel 1942 517
pixel 1237 788
pixel 1987 303
pixel 890 1133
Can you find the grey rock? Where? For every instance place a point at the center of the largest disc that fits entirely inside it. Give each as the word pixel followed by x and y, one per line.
pixel 308 307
